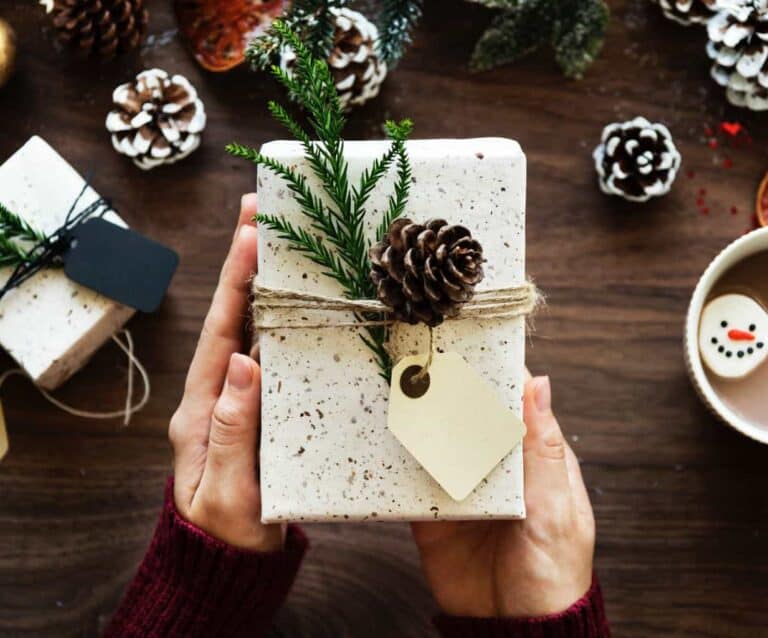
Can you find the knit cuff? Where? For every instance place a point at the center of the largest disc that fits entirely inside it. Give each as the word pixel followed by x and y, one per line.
pixel 584 619
pixel 191 584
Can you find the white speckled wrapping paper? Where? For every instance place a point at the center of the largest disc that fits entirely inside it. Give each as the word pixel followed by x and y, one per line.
pixel 326 452
pixel 49 324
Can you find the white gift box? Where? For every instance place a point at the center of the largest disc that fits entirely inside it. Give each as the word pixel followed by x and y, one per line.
pixel 50 325
pixel 326 451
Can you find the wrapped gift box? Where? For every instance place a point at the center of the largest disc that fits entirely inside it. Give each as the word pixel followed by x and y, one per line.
pixel 51 325
pixel 326 452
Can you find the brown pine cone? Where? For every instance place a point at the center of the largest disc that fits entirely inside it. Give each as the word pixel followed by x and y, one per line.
pixel 102 28
pixel 425 272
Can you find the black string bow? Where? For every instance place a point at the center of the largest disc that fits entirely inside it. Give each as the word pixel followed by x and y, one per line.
pixel 49 253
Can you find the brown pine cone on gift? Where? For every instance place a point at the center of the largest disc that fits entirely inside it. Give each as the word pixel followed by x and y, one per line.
pixel 157 119
pixel 102 28
pixel 425 272
pixel 354 61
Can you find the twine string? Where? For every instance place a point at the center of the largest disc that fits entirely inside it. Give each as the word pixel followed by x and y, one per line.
pixel 49 252
pixel 498 303
pixel 129 409
pixel 428 363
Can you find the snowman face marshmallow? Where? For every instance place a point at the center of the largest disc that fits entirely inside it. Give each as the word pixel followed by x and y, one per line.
pixel 733 335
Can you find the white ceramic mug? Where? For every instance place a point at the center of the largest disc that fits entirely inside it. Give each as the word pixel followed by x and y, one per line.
pixel 745 246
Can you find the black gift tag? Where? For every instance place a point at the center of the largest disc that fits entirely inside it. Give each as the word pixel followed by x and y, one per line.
pixel 120 264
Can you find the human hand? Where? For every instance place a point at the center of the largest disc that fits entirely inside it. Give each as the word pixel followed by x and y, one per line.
pixel 214 432
pixel 534 567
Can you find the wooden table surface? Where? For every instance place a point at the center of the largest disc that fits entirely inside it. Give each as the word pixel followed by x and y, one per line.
pixel 681 501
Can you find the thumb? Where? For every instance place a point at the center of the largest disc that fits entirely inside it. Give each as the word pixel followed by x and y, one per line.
pixel 232 441
pixel 544 447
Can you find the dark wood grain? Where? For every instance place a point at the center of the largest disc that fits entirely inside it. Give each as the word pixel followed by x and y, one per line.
pixel 681 501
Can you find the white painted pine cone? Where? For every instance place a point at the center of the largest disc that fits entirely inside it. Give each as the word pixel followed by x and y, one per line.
pixel 687 12
pixel 157 119
pixel 738 47
pixel 354 61
pixel 636 160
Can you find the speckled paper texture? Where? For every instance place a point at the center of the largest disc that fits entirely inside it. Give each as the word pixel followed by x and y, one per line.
pixel 51 325
pixel 326 452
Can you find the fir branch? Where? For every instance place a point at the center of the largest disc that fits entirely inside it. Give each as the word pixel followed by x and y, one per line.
pixel 397 20
pixel 339 242
pixel 14 233
pixel 574 29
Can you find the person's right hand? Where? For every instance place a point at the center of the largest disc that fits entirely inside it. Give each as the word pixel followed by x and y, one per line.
pixel 534 567
pixel 215 430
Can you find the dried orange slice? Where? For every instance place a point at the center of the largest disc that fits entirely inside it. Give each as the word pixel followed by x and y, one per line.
pixel 218 31
pixel 761 202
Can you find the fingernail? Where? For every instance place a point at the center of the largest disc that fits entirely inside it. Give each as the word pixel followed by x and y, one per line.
pixel 248 201
pixel 239 375
pixel 542 394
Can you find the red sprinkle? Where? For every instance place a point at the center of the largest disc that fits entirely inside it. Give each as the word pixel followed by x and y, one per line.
pixel 730 128
pixel 691 174
pixel 712 143
pixel 734 210
pixel 704 210
pixel 727 163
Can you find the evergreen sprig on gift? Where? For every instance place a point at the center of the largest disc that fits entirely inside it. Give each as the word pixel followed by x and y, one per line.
pixel 17 237
pixel 574 29
pixel 313 23
pixel 336 237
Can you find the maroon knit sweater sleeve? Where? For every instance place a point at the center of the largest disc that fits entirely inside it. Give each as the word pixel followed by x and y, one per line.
pixel 191 585
pixel 584 619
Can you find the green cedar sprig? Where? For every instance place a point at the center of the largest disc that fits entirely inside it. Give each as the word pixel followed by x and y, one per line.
pixel 335 238
pixel 14 233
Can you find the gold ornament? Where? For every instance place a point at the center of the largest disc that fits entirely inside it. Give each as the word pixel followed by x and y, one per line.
pixel 7 51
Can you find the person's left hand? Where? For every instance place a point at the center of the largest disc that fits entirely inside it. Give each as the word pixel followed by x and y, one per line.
pixel 215 430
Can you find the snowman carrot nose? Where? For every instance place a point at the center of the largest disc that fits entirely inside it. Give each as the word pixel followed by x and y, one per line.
pixel 740 335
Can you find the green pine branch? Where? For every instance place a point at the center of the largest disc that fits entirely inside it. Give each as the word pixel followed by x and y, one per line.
pixel 335 238
pixel 397 20
pixel 573 29
pixel 15 232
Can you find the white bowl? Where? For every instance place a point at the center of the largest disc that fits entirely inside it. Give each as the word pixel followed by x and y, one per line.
pixel 754 242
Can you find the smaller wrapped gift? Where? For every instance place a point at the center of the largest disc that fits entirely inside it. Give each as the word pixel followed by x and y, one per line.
pixel 50 325
pixel 327 453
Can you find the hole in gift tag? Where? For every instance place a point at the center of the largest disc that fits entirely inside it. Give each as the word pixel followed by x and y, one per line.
pixel 411 385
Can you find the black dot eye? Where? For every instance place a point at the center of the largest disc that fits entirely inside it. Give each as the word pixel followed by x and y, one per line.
pixel 724 324
pixel 752 327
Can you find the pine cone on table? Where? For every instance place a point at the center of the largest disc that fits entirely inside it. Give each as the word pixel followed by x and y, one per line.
pixel 157 119
pixel 738 46
pixel 102 28
pixel 688 12
pixel 354 61
pixel 636 160
pixel 426 272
